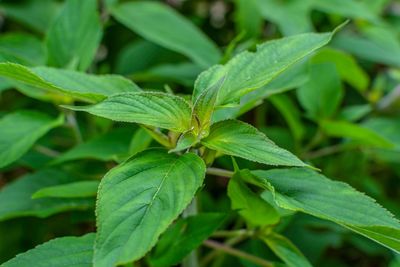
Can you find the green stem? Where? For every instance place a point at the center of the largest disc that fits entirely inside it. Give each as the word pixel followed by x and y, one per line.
pixel 326 151
pixel 71 120
pixel 47 151
pixel 234 233
pixel 237 253
pixel 191 260
pixel 219 172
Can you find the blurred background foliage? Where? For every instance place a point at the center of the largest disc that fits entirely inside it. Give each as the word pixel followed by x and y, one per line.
pixel 339 109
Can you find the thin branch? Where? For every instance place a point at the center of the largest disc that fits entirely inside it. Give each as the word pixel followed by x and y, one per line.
pixel 326 151
pixel 47 151
pixel 71 119
pixel 219 172
pixel 237 253
pixel 233 233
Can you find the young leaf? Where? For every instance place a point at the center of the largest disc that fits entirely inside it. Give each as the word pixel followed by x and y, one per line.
pixel 312 193
pixel 184 236
pixel 78 85
pixel 182 36
pixel 20 130
pixel 59 252
pixel 285 250
pixel 74 35
pixel 250 206
pixel 240 139
pixel 71 190
pixel 150 108
pixel 204 107
pixel 185 141
pixel 139 199
pixel 249 71
pixel 16 201
pixel 322 94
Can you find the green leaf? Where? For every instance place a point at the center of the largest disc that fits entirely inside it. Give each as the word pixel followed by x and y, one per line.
pixel 71 190
pixel 20 130
pixel 248 18
pixel 312 193
pixel 291 78
pixel 183 237
pixel 240 139
pixel 59 252
pixel 78 85
pixel 291 114
pixel 74 35
pixel 22 48
pixel 182 36
pixel 35 14
pixel 250 206
pixel 16 198
pixel 109 146
pixel 346 8
pixel 139 142
pixel 203 108
pixel 346 66
pixel 249 71
pixel 291 17
pixel 139 199
pixel 285 250
pixel 150 108
pixel 356 132
pixel 376 44
pixel 185 141
pixel 184 73
pixel 322 94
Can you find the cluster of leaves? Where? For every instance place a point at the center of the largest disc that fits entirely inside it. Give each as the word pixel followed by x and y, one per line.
pixel 159 164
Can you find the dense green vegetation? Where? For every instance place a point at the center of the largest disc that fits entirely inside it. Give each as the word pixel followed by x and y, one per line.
pixel 200 133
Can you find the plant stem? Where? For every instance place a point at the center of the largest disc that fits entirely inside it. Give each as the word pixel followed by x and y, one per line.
pixel 234 233
pixel 46 151
pixel 71 119
pixel 237 253
pixel 219 172
pixel 326 151
pixel 191 260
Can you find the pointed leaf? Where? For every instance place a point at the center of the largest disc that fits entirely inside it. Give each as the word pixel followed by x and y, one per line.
pixel 22 48
pixel 171 30
pixel 323 93
pixel 250 206
pixel 59 252
pixel 285 250
pixel 105 147
pixel 86 87
pixel 249 71
pixel 139 199
pixel 20 130
pixel 312 193
pixel 357 133
pixel 184 236
pixel 71 190
pixel 74 35
pixel 16 201
pixel 240 139
pixel 204 107
pixel 150 108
